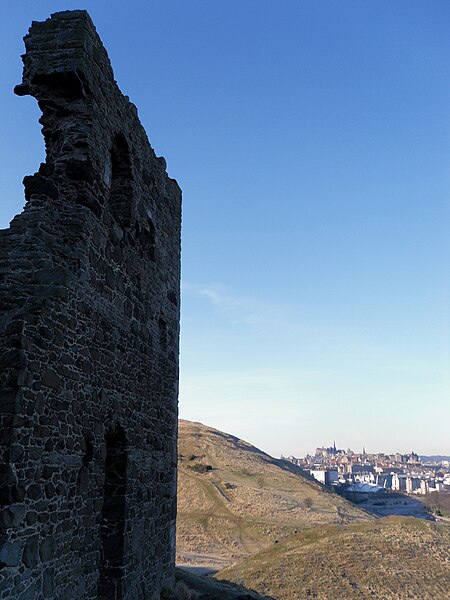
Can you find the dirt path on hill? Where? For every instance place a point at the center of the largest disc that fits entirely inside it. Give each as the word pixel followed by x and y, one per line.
pixel 248 541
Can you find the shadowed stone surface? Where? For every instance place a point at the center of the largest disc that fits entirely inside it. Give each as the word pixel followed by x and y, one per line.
pixel 89 326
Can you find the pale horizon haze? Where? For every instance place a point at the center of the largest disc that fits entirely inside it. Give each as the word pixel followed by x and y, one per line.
pixel 311 140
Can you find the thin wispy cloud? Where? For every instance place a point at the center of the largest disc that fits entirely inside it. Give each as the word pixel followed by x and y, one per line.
pixel 238 309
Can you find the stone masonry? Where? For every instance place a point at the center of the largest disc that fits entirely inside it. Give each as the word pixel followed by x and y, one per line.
pixel 89 327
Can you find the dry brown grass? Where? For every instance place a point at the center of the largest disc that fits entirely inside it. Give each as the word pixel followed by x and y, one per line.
pixel 438 502
pixel 246 502
pixel 394 558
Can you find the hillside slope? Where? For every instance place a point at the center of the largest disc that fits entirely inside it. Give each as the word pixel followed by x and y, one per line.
pixel 245 502
pixel 394 558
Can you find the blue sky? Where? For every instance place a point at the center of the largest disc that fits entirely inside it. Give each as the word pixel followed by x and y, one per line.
pixel 312 143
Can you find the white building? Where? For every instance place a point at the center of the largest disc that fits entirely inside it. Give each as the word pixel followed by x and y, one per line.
pixel 412 484
pixel 325 476
pixel 399 482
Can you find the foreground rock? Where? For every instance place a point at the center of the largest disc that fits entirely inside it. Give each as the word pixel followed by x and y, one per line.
pixel 193 587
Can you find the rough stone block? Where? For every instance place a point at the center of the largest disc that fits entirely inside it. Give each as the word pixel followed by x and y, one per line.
pixel 10 554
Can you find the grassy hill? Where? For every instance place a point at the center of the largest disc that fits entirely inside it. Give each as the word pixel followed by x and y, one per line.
pixel 234 500
pixel 394 558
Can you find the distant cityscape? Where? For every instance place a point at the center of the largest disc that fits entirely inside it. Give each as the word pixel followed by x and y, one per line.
pixel 407 473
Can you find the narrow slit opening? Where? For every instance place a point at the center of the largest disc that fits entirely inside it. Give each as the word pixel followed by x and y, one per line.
pixel 112 528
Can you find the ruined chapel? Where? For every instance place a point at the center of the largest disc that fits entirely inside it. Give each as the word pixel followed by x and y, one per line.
pixel 89 327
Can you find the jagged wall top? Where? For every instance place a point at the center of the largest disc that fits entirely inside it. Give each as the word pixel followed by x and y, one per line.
pixel 67 70
pixel 67 42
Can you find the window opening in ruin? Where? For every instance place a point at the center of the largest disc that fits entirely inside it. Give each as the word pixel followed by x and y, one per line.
pixel 121 193
pixel 146 235
pixel 112 526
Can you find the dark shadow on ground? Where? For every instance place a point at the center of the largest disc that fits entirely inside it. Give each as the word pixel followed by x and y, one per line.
pixel 209 588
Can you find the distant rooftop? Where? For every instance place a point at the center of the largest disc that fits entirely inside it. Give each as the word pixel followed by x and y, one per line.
pixel 365 488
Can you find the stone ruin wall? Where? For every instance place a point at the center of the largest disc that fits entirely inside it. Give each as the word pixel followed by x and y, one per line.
pixel 89 327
